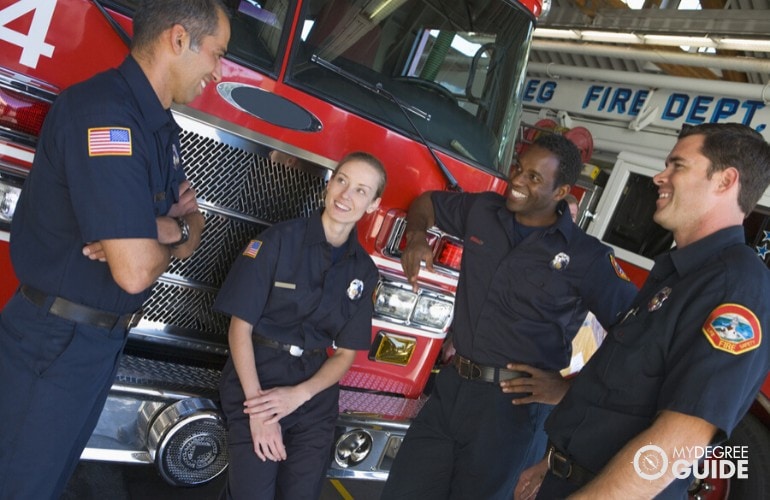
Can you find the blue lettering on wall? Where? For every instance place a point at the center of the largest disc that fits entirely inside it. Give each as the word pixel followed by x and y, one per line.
pixel 725 108
pixel 529 90
pixel 751 108
pixel 546 92
pixel 619 100
pixel 591 95
pixel 640 98
pixel 675 106
pixel 700 105
pixel 542 94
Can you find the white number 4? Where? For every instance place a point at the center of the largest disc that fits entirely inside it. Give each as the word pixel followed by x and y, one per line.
pixel 32 43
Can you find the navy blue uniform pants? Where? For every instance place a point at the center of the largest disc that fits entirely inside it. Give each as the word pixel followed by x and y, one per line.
pixel 468 441
pixel 54 379
pixel 307 433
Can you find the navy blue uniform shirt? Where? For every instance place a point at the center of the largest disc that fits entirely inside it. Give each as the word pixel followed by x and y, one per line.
pixel 100 172
pixel 692 344
pixel 287 287
pixel 524 301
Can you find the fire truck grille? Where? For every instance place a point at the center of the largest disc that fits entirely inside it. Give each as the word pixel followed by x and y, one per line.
pixel 241 192
pixel 186 308
pixel 139 371
pixel 223 238
pixel 247 182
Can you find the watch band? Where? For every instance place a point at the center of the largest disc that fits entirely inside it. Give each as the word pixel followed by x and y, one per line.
pixel 184 228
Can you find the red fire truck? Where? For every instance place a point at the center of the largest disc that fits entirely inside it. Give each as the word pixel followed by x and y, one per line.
pixel 432 88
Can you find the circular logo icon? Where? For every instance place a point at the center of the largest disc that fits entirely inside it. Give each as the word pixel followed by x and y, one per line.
pixel 199 451
pixel 650 462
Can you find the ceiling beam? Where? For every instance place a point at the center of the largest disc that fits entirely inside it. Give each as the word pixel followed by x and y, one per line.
pixel 715 22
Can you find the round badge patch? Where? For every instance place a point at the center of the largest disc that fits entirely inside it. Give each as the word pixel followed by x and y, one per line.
pixel 560 261
pixel 355 289
pixel 733 328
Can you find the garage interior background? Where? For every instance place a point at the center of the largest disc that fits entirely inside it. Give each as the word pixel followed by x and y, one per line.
pixel 715 47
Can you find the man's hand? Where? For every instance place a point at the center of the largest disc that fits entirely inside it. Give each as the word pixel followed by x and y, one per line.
pixel 447 351
pixel 543 386
pixel 95 251
pixel 272 405
pixel 187 203
pixel 416 251
pixel 530 481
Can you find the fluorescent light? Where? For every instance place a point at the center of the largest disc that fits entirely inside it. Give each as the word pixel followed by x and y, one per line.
pixel 678 41
pixel 712 42
pixel 608 36
pixel 743 44
pixel 557 34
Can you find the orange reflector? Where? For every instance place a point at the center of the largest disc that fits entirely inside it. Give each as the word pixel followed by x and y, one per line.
pixel 449 254
pixel 22 113
pixel 395 349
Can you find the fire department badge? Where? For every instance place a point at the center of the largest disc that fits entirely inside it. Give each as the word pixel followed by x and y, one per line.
pixel 355 289
pixel 658 299
pixel 560 261
pixel 733 328
pixel 618 270
pixel 175 158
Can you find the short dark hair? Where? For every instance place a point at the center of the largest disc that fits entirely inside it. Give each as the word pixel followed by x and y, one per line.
pixel 373 162
pixel 736 145
pixel 199 17
pixel 570 161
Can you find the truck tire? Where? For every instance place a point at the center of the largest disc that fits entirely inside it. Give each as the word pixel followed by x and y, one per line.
pixel 751 433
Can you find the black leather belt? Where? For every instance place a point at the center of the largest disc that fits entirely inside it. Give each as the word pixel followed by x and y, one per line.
pixel 472 371
pixel 79 313
pixel 563 467
pixel 294 350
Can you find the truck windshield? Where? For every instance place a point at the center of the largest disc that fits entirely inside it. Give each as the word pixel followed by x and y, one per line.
pixel 455 65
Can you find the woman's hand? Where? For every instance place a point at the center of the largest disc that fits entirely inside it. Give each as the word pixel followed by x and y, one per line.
pixel 267 439
pixel 272 405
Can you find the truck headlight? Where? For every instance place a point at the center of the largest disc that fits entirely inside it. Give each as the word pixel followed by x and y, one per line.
pixel 394 301
pixel 433 311
pixel 9 196
pixel 426 308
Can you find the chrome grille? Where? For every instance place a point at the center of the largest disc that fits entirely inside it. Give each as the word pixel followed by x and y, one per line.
pixel 241 192
pixel 222 239
pixel 186 307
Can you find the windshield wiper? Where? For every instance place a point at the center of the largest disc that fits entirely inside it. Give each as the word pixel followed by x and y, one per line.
pixel 377 89
pixel 115 26
pixel 404 107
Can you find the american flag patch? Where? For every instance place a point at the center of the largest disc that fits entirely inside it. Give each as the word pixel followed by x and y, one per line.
pixel 104 141
pixel 252 249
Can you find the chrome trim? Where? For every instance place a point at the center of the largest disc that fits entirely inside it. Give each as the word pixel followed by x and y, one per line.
pixel 244 138
pixel 399 226
pixel 396 281
pixel 28 85
pixel 376 465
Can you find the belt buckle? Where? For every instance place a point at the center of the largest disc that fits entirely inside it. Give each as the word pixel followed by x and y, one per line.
pixel 296 350
pixel 134 319
pixel 464 366
pixel 468 369
pixel 554 458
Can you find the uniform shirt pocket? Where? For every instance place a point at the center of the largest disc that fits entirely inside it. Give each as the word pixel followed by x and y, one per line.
pixel 634 368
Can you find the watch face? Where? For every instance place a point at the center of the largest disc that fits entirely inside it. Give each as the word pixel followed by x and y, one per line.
pixel 650 462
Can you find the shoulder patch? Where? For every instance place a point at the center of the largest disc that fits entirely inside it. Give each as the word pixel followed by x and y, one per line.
pixel 733 328
pixel 618 270
pixel 109 141
pixel 252 249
